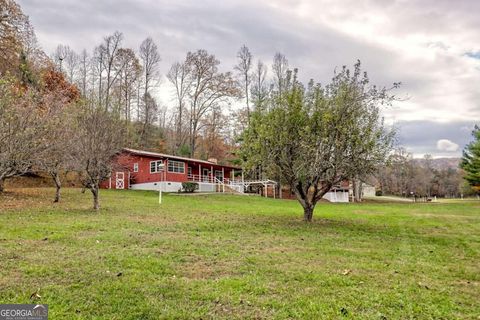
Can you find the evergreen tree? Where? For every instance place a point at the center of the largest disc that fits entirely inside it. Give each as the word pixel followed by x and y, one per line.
pixel 471 160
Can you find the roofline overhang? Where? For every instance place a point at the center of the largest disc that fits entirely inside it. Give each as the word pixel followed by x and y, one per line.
pixel 169 156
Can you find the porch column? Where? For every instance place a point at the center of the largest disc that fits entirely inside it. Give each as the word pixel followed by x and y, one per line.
pixel 243 182
pixel 211 174
pixel 232 174
pixel 223 179
pixel 199 172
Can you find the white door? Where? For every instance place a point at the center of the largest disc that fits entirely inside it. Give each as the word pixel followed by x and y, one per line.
pixel 120 180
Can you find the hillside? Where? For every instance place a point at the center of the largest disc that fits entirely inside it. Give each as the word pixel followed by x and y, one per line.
pixel 441 163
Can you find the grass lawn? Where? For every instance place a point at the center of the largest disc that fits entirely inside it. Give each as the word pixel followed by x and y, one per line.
pixel 228 257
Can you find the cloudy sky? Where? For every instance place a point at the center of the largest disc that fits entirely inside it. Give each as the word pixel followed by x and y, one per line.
pixel 431 46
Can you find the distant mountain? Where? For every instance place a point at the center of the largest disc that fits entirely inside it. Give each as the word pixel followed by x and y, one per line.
pixel 441 163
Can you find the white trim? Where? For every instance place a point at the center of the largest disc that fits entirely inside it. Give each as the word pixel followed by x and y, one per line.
pixel 156 166
pixel 168 166
pixel 171 186
pixel 119 182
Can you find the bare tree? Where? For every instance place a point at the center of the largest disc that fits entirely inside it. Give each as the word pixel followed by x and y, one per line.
pixel 99 137
pixel 83 71
pixel 108 51
pixel 179 75
pixel 150 60
pixel 148 118
pixel 22 130
pixel 259 88
pixel 279 68
pixel 243 68
pixel 57 104
pixel 214 124
pixel 71 64
pixel 130 71
pixel 97 73
pixel 209 89
pixel 59 56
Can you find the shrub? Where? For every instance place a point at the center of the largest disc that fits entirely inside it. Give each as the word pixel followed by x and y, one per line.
pixel 189 187
pixel 378 193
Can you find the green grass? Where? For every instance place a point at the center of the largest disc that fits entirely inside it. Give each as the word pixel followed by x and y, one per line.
pixel 228 257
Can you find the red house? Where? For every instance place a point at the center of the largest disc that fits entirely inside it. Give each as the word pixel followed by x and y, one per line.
pixel 144 170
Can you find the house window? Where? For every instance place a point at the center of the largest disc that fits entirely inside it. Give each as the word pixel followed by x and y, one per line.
pixel 189 171
pixel 135 167
pixel 156 166
pixel 176 166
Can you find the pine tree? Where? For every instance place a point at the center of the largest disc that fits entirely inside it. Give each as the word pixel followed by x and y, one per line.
pixel 471 160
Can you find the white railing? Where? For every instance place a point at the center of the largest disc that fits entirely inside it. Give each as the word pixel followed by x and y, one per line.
pixel 201 178
pixel 236 185
pixel 207 178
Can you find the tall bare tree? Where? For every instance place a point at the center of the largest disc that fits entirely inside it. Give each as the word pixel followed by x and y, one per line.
pixel 148 117
pixel 259 88
pixel 279 68
pixel 83 72
pixel 150 59
pixel 209 89
pixel 97 70
pixel 179 75
pixel 130 71
pixel 243 67
pixel 108 51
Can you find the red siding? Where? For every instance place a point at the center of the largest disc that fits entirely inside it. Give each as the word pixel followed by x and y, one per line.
pixel 144 176
pixel 112 182
pixel 126 161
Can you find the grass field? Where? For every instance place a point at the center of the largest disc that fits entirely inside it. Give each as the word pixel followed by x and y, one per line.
pixel 228 257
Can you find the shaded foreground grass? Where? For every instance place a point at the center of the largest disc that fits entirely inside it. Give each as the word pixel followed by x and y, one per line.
pixel 230 257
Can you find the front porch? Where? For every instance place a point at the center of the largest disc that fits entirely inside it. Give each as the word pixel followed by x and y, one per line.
pixel 236 185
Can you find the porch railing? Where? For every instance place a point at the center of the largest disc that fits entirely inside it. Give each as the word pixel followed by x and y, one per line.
pixel 207 178
pixel 236 185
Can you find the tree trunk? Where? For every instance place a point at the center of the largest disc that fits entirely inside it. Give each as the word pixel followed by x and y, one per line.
pixel 58 185
pixel 94 189
pixel 2 184
pixel 308 212
pixel 357 190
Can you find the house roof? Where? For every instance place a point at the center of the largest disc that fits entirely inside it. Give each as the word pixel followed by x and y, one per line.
pixel 169 156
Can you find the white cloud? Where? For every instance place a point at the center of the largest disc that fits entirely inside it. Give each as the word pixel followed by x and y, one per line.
pixel 430 46
pixel 447 145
